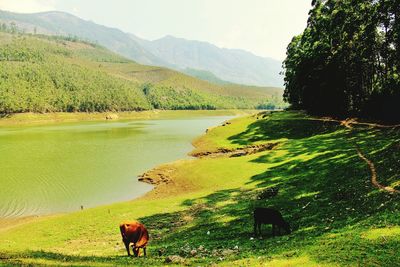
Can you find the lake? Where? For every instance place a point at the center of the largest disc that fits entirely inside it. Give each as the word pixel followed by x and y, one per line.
pixel 58 168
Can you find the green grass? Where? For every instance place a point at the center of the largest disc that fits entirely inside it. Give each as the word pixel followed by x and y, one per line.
pixel 338 218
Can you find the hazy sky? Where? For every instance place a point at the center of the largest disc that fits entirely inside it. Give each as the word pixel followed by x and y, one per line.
pixel 264 27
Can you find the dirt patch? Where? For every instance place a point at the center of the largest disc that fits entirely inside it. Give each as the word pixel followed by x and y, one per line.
pixel 236 152
pixel 155 177
pixel 163 179
pixel 348 123
pixel 374 176
pixel 354 121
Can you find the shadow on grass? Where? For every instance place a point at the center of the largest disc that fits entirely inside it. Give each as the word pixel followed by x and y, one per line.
pixel 46 258
pixel 288 125
pixel 324 190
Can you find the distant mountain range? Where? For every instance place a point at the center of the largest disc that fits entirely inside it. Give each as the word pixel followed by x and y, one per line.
pixel 200 59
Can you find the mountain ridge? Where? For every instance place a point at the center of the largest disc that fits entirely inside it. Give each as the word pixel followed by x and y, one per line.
pixel 250 69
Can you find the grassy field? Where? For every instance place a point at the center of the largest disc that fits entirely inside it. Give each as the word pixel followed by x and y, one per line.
pixel 204 214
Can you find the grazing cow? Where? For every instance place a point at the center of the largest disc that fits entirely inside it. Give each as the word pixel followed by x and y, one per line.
pixel 269 216
pixel 135 233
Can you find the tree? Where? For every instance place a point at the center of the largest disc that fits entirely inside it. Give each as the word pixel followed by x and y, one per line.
pixel 346 62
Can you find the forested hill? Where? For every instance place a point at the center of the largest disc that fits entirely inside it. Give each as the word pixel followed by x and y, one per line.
pixel 232 65
pixel 51 74
pixel 347 60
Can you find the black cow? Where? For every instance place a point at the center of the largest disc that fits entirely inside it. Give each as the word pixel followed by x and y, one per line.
pixel 269 216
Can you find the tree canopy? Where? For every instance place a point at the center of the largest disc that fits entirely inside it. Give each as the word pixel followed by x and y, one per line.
pixel 347 60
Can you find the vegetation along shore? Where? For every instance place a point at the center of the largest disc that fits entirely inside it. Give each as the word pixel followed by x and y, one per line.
pixel 19 119
pixel 202 213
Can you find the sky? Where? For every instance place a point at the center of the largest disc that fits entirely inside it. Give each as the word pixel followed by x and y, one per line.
pixel 263 27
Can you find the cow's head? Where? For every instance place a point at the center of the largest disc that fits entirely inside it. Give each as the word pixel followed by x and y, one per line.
pixel 136 251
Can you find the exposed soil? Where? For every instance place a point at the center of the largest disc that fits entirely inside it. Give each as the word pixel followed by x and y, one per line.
pixel 235 152
pixel 348 123
pixel 374 175
pixel 155 178
pixel 160 176
pixel 353 121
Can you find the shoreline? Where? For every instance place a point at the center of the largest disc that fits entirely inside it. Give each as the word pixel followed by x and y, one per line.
pixel 162 183
pixel 27 119
pixel 157 176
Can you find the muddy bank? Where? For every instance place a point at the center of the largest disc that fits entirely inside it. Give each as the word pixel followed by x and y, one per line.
pixel 162 175
pixel 154 178
pixel 235 152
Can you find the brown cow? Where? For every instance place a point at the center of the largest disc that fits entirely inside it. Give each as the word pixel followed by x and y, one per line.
pixel 135 233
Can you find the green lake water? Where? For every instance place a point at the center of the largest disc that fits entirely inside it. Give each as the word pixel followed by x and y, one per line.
pixel 58 168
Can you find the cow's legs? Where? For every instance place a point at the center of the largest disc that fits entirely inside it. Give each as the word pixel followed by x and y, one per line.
pixel 136 251
pixel 273 229
pixel 127 247
pixel 144 251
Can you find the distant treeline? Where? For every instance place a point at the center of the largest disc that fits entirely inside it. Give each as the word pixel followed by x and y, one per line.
pixel 347 60
pixel 13 28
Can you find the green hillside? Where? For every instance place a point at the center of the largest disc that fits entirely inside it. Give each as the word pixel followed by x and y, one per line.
pixel 176 53
pixel 54 74
pixel 205 75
